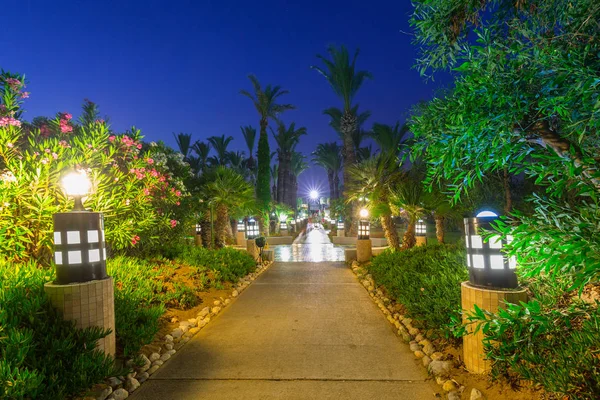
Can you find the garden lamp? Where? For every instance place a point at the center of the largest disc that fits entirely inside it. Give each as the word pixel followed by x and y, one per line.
pixel 420 228
pixel 198 229
pixel 241 225
pixel 363 225
pixel 488 265
pixel 252 229
pixel 79 247
pixel 340 224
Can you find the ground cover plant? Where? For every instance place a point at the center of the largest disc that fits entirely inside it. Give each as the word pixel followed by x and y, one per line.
pixel 425 280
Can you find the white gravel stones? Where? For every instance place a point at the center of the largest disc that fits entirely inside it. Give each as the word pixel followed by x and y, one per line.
pixel 215 310
pixel 426 361
pixel 153 369
pixel 114 381
pixel 165 356
pixel 440 368
pixel 177 333
pixel 205 311
pixel 142 377
pixel 168 338
pixel 193 331
pixel 235 293
pixel 414 347
pixel 454 395
pixel 217 303
pixel 168 346
pixel 154 357
pixel 476 394
pixel 449 386
pixel 103 393
pixel 157 362
pixel 119 394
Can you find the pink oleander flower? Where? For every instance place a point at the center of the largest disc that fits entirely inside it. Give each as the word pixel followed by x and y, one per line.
pixel 63 143
pixel 44 130
pixel 65 127
pixel 146 192
pixel 14 84
pixel 135 240
pixel 44 161
pixel 47 151
pixel 178 203
pixel 154 173
pixel 67 116
pixel 25 95
pixel 173 223
pixel 99 121
pixel 89 146
pixel 9 121
pixel 111 138
pixel 150 161
pixel 35 154
pixel 127 202
pixel 55 156
pixel 10 145
pixel 139 146
pixel 178 193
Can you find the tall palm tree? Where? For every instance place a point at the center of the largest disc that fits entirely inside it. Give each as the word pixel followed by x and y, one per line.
pixel 220 143
pixel 340 71
pixel 250 137
pixel 227 189
pixel 328 156
pixel 297 166
pixel 374 179
pixel 183 143
pixel 202 149
pixel 287 139
pixel 389 138
pixel 265 102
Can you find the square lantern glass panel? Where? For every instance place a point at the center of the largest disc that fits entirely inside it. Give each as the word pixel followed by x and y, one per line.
pixel 363 230
pixel 340 225
pixel 420 228
pixel 283 226
pixel 241 226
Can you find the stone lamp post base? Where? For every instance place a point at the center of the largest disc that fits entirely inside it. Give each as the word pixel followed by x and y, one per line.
pixel 251 248
pixel 488 299
pixel 341 233
pixel 421 240
pixel 87 304
pixel 240 238
pixel 364 250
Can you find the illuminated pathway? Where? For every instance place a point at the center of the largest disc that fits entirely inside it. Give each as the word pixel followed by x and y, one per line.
pixel 315 246
pixel 302 330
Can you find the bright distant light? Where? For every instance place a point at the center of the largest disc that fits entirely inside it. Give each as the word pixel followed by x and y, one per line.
pixel 76 183
pixel 364 213
pixel 487 214
pixel 314 194
pixel 283 218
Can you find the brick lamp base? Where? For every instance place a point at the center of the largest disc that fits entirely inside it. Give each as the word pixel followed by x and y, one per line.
pixel 364 250
pixel 486 299
pixel 88 304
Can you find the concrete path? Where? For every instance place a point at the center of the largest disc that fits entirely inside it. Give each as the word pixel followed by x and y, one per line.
pixel 313 246
pixel 300 331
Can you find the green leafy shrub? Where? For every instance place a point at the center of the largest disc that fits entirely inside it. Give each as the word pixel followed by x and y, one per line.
pixel 425 280
pixel 42 356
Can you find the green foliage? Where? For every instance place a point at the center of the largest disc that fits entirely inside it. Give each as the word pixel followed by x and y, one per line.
pixel 263 181
pixel 425 280
pixel 42 356
pixel 556 347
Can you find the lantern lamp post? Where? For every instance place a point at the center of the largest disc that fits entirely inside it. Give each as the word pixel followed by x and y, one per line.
pixel 421 233
pixel 252 233
pixel 82 290
pixel 492 283
pixel 364 246
pixel 198 236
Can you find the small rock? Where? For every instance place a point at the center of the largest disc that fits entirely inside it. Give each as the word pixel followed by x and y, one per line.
pixel 396 316
pixel 440 368
pixel 147 364
pixel 154 357
pixel 215 310
pixel 193 331
pixel 227 301
pixel 427 347
pixel 170 352
pixel 407 321
pixel 207 320
pixel 413 331
pixel 426 361
pixel 119 394
pixel 131 384
pixel 153 369
pixel 217 303
pixel 476 394
pixel 404 335
pixel 454 395
pixel 114 381
pixel 391 319
pixel 177 333
pixel 440 380
pixel 449 386
pixel 131 375
pixel 419 338
pixel 419 354
pixel 185 324
pixel 415 347
pixel 437 356
pixel 205 311
pixel 202 323
pixel 157 362
pixel 168 346
pixel 164 357
pixel 193 321
pixel 174 320
pixel 397 324
pixel 102 392
pixel 235 293
pixel 168 338
pixel 142 377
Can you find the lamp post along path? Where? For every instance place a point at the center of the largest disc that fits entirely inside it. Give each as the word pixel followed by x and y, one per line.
pixel 82 291
pixel 492 283
pixel 364 246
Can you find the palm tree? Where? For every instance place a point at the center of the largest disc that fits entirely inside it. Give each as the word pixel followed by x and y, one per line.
pixel 250 137
pixel 374 179
pixel 265 102
pixel 408 198
pixel 227 190
pixel 388 138
pixel 202 149
pixel 297 166
pixel 183 143
pixel 287 139
pixel 328 156
pixel 340 72
pixel 220 143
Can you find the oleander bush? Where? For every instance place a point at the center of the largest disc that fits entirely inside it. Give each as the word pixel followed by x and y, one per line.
pixel 425 280
pixel 42 356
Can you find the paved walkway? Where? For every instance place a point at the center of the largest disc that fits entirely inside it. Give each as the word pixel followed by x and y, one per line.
pixel 314 246
pixel 302 330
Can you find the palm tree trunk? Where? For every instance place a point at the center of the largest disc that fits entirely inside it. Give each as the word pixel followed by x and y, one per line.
pixel 289 200
pixel 280 179
pixel 205 231
pixel 348 125
pixel 331 184
pixel 336 184
pixel 391 234
pixel 439 228
pixel 409 240
pixel 221 222
pixel 263 175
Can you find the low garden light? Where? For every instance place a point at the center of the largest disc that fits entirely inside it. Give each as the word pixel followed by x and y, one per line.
pixel 420 228
pixel 79 247
pixel 198 229
pixel 487 264
pixel 241 225
pixel 364 225
pixel 252 229
pixel 340 224
pixel 314 195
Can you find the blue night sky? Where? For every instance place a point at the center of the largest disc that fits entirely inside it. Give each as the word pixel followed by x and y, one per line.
pixel 178 66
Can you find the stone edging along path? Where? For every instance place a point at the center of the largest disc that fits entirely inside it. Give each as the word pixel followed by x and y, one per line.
pixel 422 347
pixel 119 388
